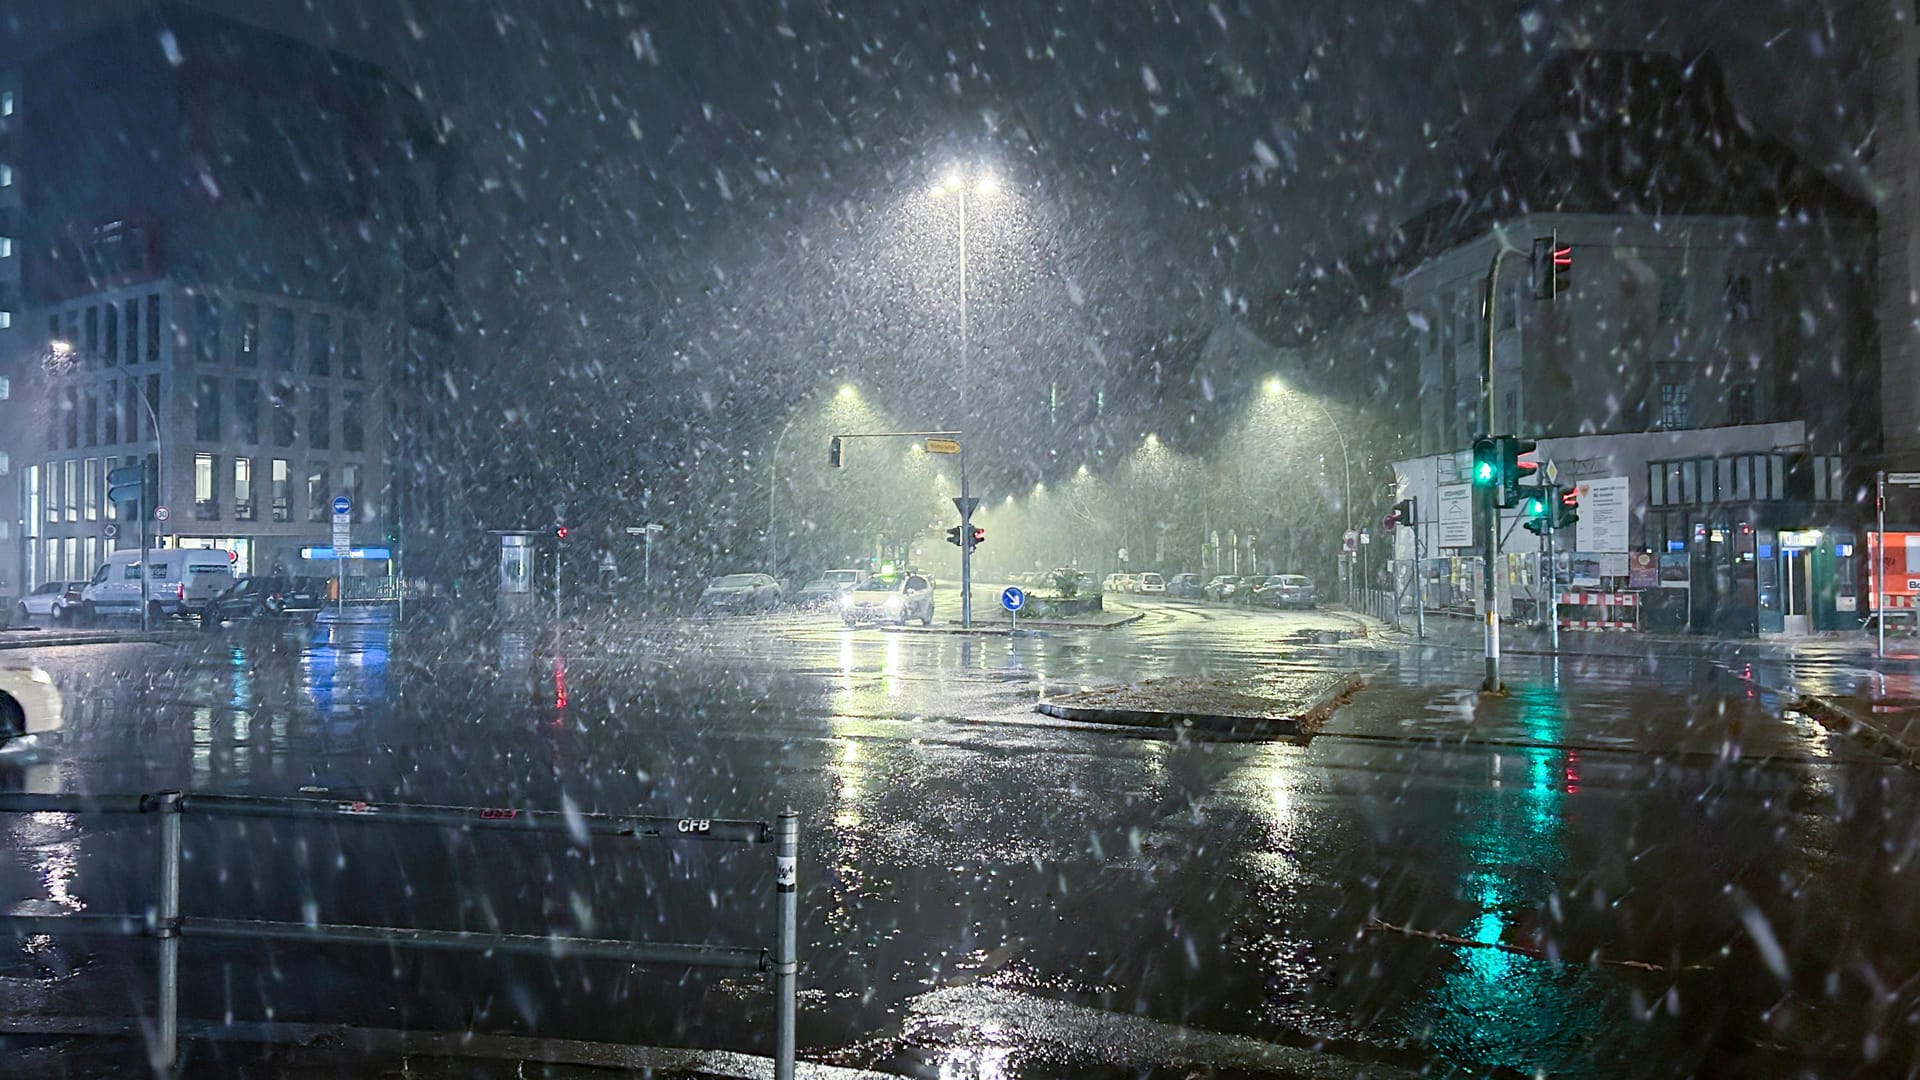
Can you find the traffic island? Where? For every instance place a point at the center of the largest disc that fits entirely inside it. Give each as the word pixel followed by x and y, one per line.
pixel 1284 704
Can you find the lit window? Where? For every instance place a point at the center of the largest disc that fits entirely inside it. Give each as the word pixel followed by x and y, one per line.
pixel 6 103
pixel 6 319
pixel 6 176
pixel 6 247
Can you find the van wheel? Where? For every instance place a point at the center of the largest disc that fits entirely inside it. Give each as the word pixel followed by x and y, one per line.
pixel 89 615
pixel 155 613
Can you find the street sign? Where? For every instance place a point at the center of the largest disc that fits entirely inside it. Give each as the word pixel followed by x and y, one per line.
pixel 1903 478
pixel 111 530
pixel 943 446
pixel 1365 537
pixel 342 529
pixel 1013 599
pixel 342 505
pixel 160 513
pixel 1553 473
pixel 1349 540
pixel 966 504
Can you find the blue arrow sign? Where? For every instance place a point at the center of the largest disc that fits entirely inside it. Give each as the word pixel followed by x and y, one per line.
pixel 1013 599
pixel 342 504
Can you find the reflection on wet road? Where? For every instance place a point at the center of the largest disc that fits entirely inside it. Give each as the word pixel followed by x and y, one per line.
pixel 986 890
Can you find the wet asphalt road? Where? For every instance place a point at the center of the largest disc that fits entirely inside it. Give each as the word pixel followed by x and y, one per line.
pixel 988 892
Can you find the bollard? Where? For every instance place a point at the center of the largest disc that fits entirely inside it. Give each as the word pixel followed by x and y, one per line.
pixel 167 927
pixel 786 953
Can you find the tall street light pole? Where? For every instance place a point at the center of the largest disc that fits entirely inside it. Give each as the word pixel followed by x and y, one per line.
pixel 60 359
pixel 1275 388
pixel 957 184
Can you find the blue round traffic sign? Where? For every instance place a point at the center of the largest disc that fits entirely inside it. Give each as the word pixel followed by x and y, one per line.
pixel 342 504
pixel 1013 599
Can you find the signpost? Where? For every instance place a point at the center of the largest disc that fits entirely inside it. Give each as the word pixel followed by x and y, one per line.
pixel 1013 599
pixel 943 446
pixel 342 542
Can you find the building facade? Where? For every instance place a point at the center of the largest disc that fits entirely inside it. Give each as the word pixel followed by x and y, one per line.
pixel 227 264
pixel 1710 371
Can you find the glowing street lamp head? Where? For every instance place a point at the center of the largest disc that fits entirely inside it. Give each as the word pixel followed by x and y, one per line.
pixel 1153 441
pixel 1273 387
pixel 849 392
pixel 986 184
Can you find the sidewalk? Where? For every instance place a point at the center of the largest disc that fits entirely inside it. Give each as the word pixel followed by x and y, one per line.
pixel 1452 631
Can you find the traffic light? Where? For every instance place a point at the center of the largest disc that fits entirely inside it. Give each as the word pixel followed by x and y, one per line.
pixel 560 532
pixel 978 537
pixel 1566 508
pixel 1486 462
pixel 953 536
pixel 1552 267
pixel 833 455
pixel 1404 512
pixel 1512 470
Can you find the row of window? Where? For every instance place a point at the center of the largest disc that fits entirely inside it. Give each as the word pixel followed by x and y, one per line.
pixel 282 400
pixel 113 333
pixel 1738 478
pixel 282 341
pixel 104 414
pixel 235 490
pixel 75 490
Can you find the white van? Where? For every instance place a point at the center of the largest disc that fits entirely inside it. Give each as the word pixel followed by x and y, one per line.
pixel 180 581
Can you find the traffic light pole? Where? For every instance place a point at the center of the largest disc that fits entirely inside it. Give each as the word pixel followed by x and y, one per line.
pixel 1553 593
pixel 966 544
pixel 1490 529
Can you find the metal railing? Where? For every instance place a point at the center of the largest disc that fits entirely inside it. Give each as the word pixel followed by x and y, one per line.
pixel 167 924
pixel 1382 604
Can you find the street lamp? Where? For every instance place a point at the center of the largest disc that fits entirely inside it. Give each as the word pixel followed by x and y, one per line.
pixel 848 395
pixel 59 360
pixel 958 185
pixel 1274 388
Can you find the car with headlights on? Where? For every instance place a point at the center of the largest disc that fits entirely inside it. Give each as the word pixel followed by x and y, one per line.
pixel 29 706
pixel 889 598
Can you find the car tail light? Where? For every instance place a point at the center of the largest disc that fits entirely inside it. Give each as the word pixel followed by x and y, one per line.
pixel 180 590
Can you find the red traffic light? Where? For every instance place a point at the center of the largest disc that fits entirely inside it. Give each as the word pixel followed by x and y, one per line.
pixel 1563 256
pixel 560 531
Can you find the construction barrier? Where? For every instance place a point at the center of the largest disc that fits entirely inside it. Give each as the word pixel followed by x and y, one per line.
pixel 1599 611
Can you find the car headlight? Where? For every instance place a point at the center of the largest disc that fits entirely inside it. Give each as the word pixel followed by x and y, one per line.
pixel 846 602
pixel 894 603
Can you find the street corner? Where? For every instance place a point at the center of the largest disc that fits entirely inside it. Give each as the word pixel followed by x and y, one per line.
pixel 1289 705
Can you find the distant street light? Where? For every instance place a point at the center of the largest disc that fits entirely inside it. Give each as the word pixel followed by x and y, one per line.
pixel 1274 388
pixel 849 395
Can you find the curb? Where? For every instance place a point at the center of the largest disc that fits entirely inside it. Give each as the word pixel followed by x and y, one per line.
pixel 1001 630
pixel 1840 720
pixel 1305 724
pixel 105 637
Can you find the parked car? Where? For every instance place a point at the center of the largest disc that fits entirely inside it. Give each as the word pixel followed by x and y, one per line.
pixel 889 598
pixel 828 588
pixel 257 596
pixel 735 593
pixel 180 583
pixel 1150 583
pixel 29 706
pixel 1087 582
pixel 54 601
pixel 1223 587
pixel 1112 583
pixel 1286 591
pixel 1184 586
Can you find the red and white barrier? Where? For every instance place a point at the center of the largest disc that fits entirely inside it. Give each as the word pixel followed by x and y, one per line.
pixel 1599 611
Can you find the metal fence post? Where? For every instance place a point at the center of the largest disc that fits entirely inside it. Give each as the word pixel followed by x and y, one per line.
pixel 167 928
pixel 786 953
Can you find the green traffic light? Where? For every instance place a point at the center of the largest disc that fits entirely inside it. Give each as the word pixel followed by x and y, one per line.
pixel 1535 508
pixel 1483 473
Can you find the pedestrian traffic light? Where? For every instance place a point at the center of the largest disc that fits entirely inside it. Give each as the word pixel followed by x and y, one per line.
pixel 1566 508
pixel 978 537
pixel 1486 462
pixel 1512 471
pixel 953 535
pixel 833 453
